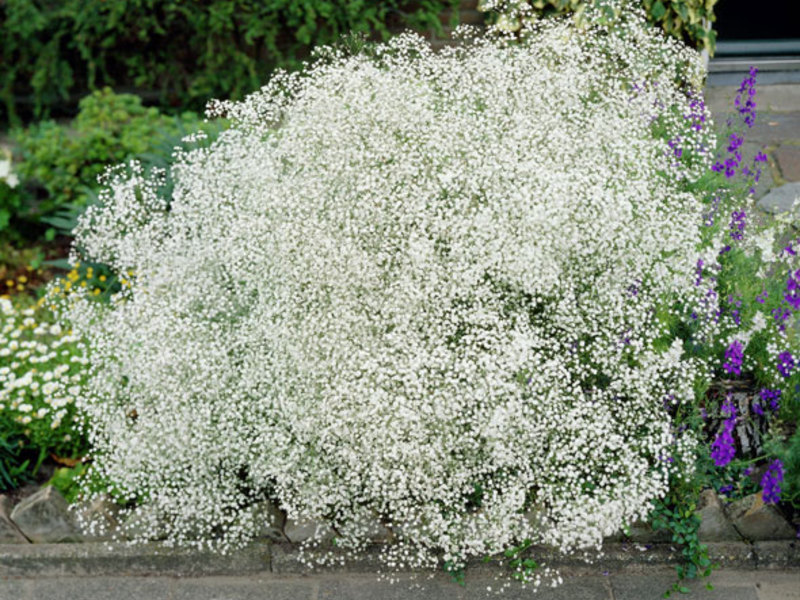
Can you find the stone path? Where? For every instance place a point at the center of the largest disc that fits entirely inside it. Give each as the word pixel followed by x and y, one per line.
pixel 728 585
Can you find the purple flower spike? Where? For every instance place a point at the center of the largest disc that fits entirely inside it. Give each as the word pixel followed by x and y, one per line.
pixel 770 482
pixel 733 358
pixel 785 363
pixel 792 295
pixel 770 398
pixel 723 447
pixel 737 224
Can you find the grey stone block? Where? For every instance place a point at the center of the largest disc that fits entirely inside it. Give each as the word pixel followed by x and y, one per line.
pixel 106 588
pixel 778 555
pixel 114 559
pixel 234 588
pixel 99 520
pixel 788 158
pixel 270 521
pixel 9 532
pixel 285 559
pixel 757 521
pixel 369 526
pixel 643 532
pixel 15 589
pixel 714 523
pixel 44 518
pixel 739 555
pixel 642 587
pixel 442 587
pixel 781 200
pixel 303 530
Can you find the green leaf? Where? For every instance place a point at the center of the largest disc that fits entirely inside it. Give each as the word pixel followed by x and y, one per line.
pixel 658 10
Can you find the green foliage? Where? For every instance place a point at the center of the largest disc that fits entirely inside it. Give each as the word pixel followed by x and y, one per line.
pixel 58 165
pixel 67 481
pixel 189 52
pixel 676 514
pixel 789 453
pixel 687 20
pixel 13 465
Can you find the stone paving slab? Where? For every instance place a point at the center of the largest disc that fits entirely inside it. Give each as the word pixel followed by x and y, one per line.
pixel 770 98
pixel 788 157
pixel 727 584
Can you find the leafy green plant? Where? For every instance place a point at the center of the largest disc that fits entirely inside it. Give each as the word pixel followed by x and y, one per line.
pixel 67 481
pixel 187 51
pixel 676 514
pixel 59 165
pixel 687 20
pixel 13 466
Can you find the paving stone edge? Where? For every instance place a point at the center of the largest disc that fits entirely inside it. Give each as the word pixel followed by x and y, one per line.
pixel 280 559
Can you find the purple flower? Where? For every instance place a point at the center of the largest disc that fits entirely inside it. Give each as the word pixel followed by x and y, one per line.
pixel 733 358
pixel 762 297
pixel 770 482
pixel 726 489
pixel 785 363
pixel 737 224
pixel 747 91
pixel 792 294
pixel 771 397
pixel 722 448
pixel 780 315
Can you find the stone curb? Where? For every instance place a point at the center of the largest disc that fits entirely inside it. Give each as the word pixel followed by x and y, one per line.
pixel 280 559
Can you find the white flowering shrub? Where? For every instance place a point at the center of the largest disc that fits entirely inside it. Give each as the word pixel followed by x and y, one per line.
pixel 413 287
pixel 41 370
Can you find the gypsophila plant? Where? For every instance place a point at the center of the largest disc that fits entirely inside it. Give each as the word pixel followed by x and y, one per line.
pixel 425 289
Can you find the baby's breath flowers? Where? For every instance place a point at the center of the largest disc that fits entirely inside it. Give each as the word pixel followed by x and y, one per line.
pixel 413 288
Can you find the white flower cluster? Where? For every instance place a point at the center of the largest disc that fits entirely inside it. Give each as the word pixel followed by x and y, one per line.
pixel 40 374
pixel 408 286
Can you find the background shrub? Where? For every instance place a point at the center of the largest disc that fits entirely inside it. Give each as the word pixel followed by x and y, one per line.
pixel 58 165
pixel 189 52
pixel 688 20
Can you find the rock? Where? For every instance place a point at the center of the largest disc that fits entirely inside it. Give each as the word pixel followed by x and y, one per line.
pixel 781 200
pixel 270 521
pixel 788 158
pixel 367 525
pixel 757 521
pixel 643 533
pixel 144 523
pixel 99 520
pixel 44 518
pixel 714 524
pixel 9 533
pixel 300 531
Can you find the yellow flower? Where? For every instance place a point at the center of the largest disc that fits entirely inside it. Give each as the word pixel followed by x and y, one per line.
pixel 102 278
pixel 96 291
pixel 22 279
pixel 68 285
pixel 10 282
pixel 20 287
pixel 83 284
